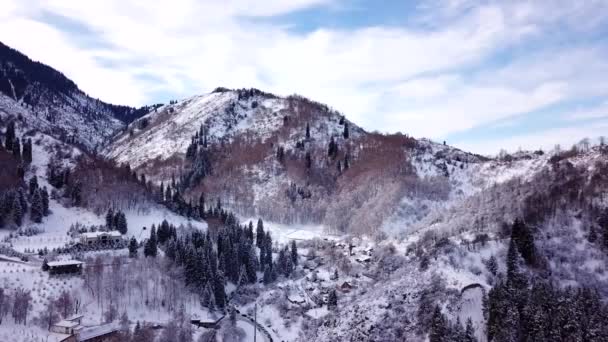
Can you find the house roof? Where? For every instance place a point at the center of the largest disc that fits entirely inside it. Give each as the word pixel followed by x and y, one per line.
pixel 364 258
pixel 66 324
pixel 295 298
pixel 92 332
pixel 64 263
pixel 74 317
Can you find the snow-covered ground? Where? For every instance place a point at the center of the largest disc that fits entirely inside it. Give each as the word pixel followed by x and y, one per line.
pixel 285 233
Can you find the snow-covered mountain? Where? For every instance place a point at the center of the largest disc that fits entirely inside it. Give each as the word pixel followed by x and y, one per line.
pixel 50 102
pixel 224 115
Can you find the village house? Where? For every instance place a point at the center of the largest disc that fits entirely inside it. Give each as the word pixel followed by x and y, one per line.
pixel 207 322
pixel 65 267
pixel 346 287
pixel 91 238
pixel 364 259
pixel 296 298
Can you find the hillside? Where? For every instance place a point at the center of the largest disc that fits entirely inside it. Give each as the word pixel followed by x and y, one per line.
pixel 288 159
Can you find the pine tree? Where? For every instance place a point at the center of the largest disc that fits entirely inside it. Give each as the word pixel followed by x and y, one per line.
pixel 208 297
pixel 308 160
pixel 281 154
pixel 603 223
pixel 133 248
pixel 110 219
pixel 27 151
pixel 36 209
pixel 514 276
pixel 267 274
pixel 469 332
pixel 524 239
pixel 45 265
pixel 332 150
pixel 10 135
pixel 45 201
pixel 332 300
pixel 346 133
pixel 33 185
pixel 294 252
pixel 307 131
pixel 219 289
pixel 251 266
pixel 121 223
pixel 164 232
pixel 439 327
pixel 161 192
pixel 17 211
pixel 346 162
pixel 268 249
pixel 259 234
pixel 151 248
pixel 16 149
pixel 201 205
pixel 492 265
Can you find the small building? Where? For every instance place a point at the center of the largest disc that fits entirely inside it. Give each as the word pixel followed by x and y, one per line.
pixel 66 327
pixel 346 287
pixel 296 298
pixel 65 267
pixel 364 259
pixel 91 238
pixel 207 323
pixel 75 318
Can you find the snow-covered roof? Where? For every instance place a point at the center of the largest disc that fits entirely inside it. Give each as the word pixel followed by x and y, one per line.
pixel 66 324
pixel 97 331
pixel 64 263
pixel 364 258
pixel 74 317
pixel 113 233
pixel 295 298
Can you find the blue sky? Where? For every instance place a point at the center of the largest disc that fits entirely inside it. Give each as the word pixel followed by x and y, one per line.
pixel 482 75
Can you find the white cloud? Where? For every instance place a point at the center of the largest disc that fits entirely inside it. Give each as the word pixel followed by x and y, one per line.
pixel 596 112
pixel 546 139
pixel 390 79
